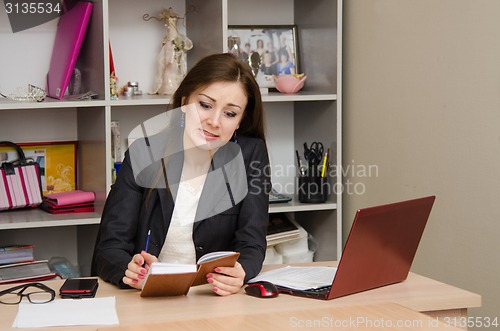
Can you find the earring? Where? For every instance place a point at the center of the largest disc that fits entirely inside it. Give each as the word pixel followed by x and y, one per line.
pixel 183 120
pixel 235 137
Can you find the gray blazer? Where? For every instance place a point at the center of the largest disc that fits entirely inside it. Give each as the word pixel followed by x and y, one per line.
pixel 131 210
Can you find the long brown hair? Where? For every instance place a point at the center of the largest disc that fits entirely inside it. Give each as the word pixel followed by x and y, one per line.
pixel 226 67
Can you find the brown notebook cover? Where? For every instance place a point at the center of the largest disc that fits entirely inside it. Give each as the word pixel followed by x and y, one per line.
pixel 179 283
pixel 167 284
pixel 209 266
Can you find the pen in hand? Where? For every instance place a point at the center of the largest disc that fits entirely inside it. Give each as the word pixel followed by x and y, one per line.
pixel 147 241
pixel 147 246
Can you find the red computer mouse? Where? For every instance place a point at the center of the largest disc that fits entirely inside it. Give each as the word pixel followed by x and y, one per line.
pixel 262 289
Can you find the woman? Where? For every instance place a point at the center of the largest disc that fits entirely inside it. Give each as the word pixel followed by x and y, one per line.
pixel 285 66
pixel 260 47
pixel 221 110
pixel 268 67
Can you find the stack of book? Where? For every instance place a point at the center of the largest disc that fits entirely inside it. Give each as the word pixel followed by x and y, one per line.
pixel 26 272
pixel 281 229
pixel 76 201
pixel 18 265
pixel 16 253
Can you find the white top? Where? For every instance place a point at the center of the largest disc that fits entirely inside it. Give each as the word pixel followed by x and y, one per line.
pixel 179 246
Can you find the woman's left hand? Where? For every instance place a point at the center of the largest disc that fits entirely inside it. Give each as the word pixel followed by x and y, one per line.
pixel 227 280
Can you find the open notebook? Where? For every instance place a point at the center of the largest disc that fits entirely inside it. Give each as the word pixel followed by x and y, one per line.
pixel 379 251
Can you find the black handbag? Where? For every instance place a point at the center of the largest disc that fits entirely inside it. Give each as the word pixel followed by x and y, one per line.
pixel 20 181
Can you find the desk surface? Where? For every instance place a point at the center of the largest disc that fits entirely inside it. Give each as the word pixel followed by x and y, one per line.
pixel 384 316
pixel 417 293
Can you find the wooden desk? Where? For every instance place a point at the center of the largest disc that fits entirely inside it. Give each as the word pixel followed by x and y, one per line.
pixel 417 293
pixel 384 316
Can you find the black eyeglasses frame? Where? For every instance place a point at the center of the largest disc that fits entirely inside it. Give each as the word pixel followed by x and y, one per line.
pixel 21 295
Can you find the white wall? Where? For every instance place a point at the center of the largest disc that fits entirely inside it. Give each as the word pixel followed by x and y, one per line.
pixel 422 103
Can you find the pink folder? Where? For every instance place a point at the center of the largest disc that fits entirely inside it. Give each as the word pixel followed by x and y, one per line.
pixel 70 198
pixel 69 37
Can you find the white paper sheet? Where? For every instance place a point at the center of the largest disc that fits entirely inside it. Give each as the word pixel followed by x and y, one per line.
pixel 63 312
pixel 299 278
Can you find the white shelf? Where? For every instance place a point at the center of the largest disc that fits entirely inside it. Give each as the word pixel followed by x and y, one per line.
pixel 147 99
pixel 296 206
pixel 141 100
pixel 6 104
pixel 301 96
pixel 37 218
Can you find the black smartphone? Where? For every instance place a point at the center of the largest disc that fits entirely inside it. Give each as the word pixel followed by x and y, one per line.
pixel 76 288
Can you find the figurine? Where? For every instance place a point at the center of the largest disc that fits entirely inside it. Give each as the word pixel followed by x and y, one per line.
pixel 172 61
pixel 113 86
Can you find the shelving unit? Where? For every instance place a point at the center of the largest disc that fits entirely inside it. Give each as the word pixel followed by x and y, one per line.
pixel 313 114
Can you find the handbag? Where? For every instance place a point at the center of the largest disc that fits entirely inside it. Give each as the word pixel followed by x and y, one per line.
pixel 20 182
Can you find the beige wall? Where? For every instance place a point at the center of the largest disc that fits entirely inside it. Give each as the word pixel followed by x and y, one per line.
pixel 422 104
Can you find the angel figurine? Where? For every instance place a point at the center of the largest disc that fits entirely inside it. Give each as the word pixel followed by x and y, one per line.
pixel 172 61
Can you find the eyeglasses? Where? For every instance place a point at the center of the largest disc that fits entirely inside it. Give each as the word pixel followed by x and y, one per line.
pixel 35 292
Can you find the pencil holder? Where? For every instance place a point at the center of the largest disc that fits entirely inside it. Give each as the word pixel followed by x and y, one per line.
pixel 313 189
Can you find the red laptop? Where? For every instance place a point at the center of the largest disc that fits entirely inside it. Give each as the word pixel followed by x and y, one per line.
pixel 379 250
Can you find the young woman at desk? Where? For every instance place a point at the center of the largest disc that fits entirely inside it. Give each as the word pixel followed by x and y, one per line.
pixel 220 109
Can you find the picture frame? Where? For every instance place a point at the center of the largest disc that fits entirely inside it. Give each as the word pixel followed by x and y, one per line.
pixel 268 49
pixel 57 162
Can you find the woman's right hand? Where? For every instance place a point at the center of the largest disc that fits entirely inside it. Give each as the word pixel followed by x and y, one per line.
pixel 138 268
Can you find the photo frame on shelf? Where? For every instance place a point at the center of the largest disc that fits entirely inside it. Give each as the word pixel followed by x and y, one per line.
pixel 268 49
pixel 57 162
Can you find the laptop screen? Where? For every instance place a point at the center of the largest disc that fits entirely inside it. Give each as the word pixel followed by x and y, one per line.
pixel 381 246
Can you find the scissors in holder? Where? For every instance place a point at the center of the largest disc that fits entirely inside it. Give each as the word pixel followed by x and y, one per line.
pixel 313 155
pixel 318 151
